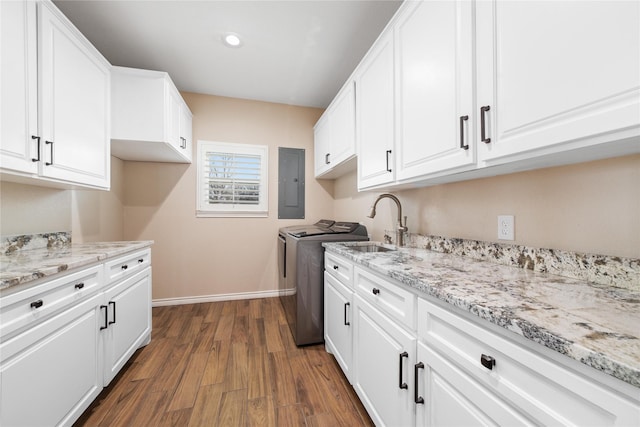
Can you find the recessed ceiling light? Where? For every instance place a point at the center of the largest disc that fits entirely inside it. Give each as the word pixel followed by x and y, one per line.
pixel 231 40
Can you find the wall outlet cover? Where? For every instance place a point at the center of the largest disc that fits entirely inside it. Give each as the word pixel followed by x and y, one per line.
pixel 506 227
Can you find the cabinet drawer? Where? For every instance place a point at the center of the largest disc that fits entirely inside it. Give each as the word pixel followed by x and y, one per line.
pixel 340 268
pixel 545 390
pixel 26 307
pixel 127 265
pixel 51 372
pixel 386 296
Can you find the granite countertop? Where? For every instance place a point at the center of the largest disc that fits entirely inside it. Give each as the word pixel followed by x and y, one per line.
pixel 597 325
pixel 21 267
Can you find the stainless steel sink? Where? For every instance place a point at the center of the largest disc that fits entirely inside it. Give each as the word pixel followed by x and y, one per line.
pixel 372 248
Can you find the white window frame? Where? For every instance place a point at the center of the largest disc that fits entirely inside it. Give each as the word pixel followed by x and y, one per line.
pixel 206 210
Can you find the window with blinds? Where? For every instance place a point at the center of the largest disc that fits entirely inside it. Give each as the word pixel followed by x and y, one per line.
pixel 232 179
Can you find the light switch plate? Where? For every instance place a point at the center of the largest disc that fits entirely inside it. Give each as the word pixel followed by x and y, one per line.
pixel 506 228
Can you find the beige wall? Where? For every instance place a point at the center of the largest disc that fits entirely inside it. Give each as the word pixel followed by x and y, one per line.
pixel 213 256
pixel 590 207
pixel 90 215
pixel 98 216
pixel 27 209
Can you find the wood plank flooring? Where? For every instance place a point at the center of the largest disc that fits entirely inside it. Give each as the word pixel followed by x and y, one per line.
pixel 231 363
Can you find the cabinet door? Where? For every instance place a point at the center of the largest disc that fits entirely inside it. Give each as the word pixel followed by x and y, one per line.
pixel 434 48
pixel 129 321
pixel 186 132
pixel 374 111
pixel 51 373
pixel 557 75
pixel 338 322
pixel 451 398
pixel 321 143
pixel 74 103
pixel 18 87
pixel 343 126
pixel 174 117
pixel 380 369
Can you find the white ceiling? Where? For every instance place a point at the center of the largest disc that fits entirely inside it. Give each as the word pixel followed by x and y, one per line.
pixel 294 52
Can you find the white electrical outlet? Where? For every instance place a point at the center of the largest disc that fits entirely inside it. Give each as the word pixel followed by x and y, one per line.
pixel 506 228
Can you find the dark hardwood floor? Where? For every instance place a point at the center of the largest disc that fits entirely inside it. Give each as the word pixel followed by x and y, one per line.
pixel 231 363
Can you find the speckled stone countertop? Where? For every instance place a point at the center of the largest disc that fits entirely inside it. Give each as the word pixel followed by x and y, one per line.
pixel 595 324
pixel 20 267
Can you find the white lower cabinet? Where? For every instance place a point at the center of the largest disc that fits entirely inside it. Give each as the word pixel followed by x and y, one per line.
pixel 451 398
pixel 383 356
pixel 455 369
pixel 51 373
pixel 505 383
pixel 63 339
pixel 338 323
pixel 128 321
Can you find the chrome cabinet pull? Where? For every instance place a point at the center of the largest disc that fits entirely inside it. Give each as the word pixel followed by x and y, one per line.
pixel 483 137
pixel 462 144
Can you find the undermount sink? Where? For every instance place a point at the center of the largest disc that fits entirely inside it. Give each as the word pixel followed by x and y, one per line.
pixel 372 248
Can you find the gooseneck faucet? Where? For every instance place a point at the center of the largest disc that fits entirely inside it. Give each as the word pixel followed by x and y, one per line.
pixel 400 228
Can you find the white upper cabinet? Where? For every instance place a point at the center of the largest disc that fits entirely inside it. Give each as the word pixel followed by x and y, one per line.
pixel 558 76
pixel 19 100
pixel 186 130
pixel 434 80
pixel 75 106
pixel 469 89
pixel 335 136
pixel 56 115
pixel 322 146
pixel 151 122
pixel 375 114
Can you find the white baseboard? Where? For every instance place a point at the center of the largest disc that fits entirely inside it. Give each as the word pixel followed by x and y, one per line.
pixel 220 297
